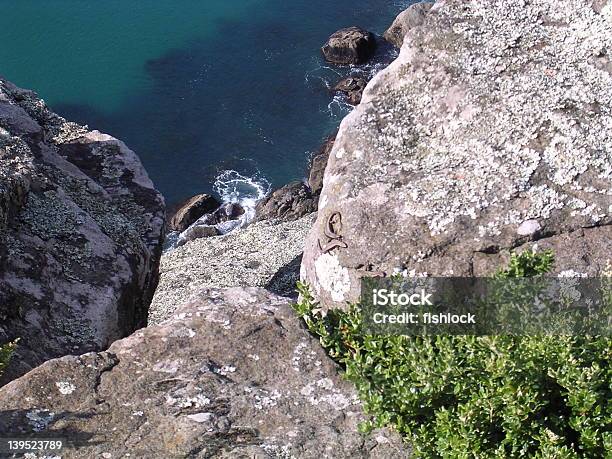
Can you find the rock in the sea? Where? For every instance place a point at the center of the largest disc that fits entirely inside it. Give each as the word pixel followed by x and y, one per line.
pixel 260 255
pixel 351 45
pixel 221 221
pixel 287 203
pixel 223 213
pixel 229 211
pixel 410 18
pixel 491 132
pixel 81 227
pixel 192 210
pixel 318 165
pixel 196 232
pixel 352 88
pixel 234 373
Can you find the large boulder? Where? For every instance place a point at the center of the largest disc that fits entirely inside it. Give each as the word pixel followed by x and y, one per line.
pixel 351 45
pixel 289 202
pixel 352 88
pixel 81 227
pixel 410 18
pixel 192 210
pixel 491 132
pixel 232 374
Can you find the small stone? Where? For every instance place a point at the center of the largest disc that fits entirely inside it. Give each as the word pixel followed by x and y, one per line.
pixel 201 417
pixel 528 228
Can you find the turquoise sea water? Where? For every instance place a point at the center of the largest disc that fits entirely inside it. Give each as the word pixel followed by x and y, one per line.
pixel 194 87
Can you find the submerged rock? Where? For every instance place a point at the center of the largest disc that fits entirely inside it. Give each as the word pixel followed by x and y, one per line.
pixel 287 203
pixel 81 227
pixel 492 131
pixel 353 89
pixel 192 210
pixel 351 45
pixel 410 18
pixel 232 374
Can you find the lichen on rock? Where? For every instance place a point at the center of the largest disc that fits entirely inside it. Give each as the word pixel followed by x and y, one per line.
pixel 159 393
pixel 495 114
pixel 80 234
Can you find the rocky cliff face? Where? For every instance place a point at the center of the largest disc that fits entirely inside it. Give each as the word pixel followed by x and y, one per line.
pixel 80 234
pixel 492 131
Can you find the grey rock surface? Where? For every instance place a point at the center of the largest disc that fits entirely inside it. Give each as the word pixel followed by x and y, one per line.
pixel 247 257
pixel 232 374
pixel 80 234
pixel 495 114
pixel 351 45
pixel 289 202
pixel 408 19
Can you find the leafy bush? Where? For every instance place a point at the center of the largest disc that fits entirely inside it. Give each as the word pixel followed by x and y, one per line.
pixel 468 396
pixel 6 351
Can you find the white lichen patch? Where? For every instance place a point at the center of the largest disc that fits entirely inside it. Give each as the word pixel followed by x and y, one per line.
pixel 302 356
pixel 65 387
pixel 266 399
pixel 332 276
pixel 180 399
pixel 276 451
pixel 183 332
pixel 324 391
pixel 225 370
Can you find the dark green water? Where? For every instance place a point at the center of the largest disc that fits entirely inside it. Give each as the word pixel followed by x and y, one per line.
pixel 194 87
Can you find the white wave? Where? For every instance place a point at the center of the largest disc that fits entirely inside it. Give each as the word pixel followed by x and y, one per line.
pixel 339 107
pixel 233 187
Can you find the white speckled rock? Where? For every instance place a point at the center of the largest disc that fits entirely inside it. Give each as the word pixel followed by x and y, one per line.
pixel 232 374
pixel 495 113
pixel 264 254
pixel 80 234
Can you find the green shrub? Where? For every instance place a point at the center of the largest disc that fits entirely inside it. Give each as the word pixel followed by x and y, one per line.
pixel 6 351
pixel 468 396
